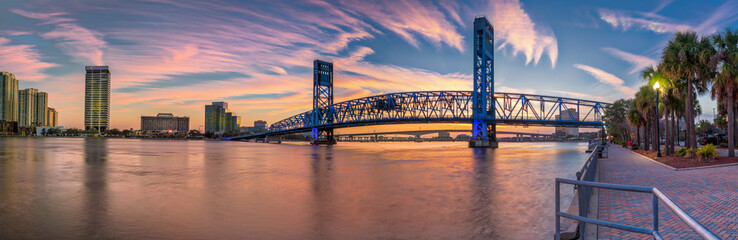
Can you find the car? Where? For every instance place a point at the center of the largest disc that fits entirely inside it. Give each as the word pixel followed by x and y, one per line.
pixel 714 139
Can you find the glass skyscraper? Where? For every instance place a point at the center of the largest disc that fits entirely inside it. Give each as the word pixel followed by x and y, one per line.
pixel 219 119
pixel 97 98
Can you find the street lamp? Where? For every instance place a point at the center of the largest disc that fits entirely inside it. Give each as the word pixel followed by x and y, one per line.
pixel 658 133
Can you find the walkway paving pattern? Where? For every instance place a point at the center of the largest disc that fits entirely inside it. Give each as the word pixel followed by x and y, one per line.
pixel 709 195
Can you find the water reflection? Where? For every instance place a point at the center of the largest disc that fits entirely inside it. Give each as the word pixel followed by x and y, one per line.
pixel 322 191
pixel 480 215
pixel 148 189
pixel 96 188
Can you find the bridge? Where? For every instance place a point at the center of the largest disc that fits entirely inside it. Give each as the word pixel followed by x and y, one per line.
pixel 426 132
pixel 482 107
pixel 418 133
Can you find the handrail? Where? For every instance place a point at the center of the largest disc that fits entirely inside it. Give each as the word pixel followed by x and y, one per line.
pixel 580 173
pixel 657 195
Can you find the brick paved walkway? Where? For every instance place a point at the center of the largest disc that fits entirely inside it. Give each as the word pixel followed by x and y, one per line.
pixel 708 195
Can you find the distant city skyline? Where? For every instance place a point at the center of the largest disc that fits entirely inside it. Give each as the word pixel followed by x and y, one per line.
pixel 258 55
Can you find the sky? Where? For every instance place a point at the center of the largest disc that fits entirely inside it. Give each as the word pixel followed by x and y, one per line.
pixel 179 55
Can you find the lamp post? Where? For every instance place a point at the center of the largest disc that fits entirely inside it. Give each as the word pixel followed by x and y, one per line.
pixel 658 132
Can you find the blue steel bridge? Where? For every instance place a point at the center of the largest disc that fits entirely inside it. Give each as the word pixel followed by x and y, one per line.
pixel 481 107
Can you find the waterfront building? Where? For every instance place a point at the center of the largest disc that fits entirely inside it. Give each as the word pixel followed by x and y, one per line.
pixel 235 123
pixel 259 127
pixel 27 107
pixel 42 105
pixel 97 98
pixel 564 132
pixel 219 119
pixel 8 97
pixel 260 124
pixel 52 117
pixel 165 122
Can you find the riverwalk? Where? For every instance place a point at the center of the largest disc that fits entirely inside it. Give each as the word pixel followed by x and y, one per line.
pixel 709 195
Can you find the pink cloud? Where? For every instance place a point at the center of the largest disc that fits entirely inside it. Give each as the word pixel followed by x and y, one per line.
pixel 408 18
pixel 23 60
pixel 85 45
pixel 514 28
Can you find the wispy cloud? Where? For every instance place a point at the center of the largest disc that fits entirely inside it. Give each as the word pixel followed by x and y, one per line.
pixel 411 18
pixel 514 28
pixel 23 60
pixel 85 45
pixel 722 16
pixel 570 94
pixel 643 21
pixel 607 78
pixel 639 62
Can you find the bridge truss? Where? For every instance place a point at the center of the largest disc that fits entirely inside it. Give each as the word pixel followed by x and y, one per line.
pixel 446 107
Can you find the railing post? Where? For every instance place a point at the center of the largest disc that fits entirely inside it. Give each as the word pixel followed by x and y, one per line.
pixel 655 213
pixel 558 218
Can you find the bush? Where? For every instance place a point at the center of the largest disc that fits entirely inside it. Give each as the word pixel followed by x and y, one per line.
pixel 681 152
pixel 635 147
pixel 707 153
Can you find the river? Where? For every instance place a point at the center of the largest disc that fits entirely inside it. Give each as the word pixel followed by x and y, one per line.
pixel 75 188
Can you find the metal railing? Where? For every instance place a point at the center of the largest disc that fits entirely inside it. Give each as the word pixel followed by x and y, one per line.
pixel 587 173
pixel 657 195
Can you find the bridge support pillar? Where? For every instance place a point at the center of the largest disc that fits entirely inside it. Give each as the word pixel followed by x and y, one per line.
pixel 274 139
pixel 323 112
pixel 323 137
pixel 484 128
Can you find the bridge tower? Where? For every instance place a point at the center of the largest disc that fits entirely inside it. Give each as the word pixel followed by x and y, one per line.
pixel 322 103
pixel 484 130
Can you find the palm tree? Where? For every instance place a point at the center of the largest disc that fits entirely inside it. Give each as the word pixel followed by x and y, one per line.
pixel 725 84
pixel 686 58
pixel 635 119
pixel 653 75
pixel 646 104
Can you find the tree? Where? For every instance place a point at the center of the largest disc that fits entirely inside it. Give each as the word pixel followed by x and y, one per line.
pixel 704 126
pixel 615 119
pixel 654 75
pixel 113 132
pixel 686 58
pixel 645 103
pixel 725 83
pixel 635 119
pixel 721 122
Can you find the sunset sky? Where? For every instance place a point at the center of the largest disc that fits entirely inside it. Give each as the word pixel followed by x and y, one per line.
pixel 179 55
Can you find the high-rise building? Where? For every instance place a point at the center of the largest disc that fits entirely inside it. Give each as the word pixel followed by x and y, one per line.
pixel 219 119
pixel 235 123
pixel 8 97
pixel 97 98
pixel 27 107
pixel 165 122
pixel 52 117
pixel 42 105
